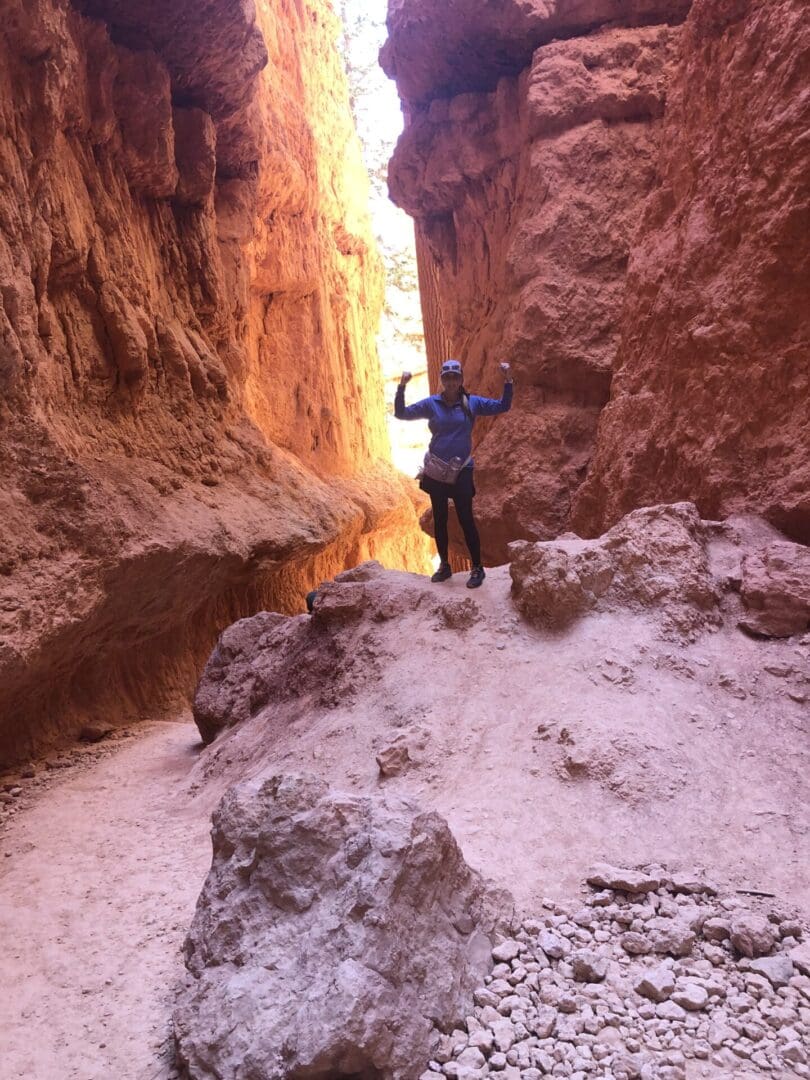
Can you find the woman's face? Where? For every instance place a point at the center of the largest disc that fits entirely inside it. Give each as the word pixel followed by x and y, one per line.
pixel 451 381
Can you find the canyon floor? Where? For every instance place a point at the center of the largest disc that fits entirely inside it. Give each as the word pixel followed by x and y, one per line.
pixel 545 752
pixel 101 868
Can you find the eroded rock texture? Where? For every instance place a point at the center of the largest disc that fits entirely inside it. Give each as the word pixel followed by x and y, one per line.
pixel 333 931
pixel 654 559
pixel 526 198
pixel 710 398
pixel 666 561
pixel 191 410
pixel 537 170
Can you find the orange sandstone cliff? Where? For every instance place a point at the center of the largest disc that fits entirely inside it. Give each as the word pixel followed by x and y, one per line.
pixel 605 188
pixel 191 410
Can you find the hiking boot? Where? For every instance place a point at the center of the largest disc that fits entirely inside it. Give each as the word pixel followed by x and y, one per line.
pixel 476 579
pixel 443 573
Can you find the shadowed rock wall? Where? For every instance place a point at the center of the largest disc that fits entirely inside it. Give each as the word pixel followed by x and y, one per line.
pixel 711 396
pixel 191 409
pixel 525 200
pixel 537 171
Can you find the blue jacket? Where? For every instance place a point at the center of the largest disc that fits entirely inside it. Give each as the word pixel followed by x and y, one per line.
pixel 450 427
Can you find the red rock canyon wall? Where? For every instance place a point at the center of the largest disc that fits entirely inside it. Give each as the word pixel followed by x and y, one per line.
pixel 711 396
pixel 549 147
pixel 191 417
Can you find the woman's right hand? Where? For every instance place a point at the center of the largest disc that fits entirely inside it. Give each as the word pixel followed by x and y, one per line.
pixel 405 378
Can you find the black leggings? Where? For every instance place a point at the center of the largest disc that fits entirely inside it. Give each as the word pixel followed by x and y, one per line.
pixel 461 493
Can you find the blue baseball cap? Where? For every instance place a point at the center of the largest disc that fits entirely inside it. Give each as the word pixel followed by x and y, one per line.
pixel 450 367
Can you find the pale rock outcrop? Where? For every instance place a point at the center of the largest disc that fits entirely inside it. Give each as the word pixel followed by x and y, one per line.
pixel 266 661
pixel 775 590
pixel 190 398
pixel 654 560
pixel 332 933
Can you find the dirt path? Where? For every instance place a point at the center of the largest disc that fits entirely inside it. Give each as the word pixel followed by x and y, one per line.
pixel 98 881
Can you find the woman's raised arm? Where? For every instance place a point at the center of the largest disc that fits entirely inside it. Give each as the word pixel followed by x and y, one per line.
pixel 418 411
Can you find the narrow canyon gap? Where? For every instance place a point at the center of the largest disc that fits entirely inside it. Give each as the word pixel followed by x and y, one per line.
pixel 556 826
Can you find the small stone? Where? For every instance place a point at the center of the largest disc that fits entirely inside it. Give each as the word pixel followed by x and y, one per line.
pixel 604 876
pixel 509 1004
pixel 794 1053
pixel 716 929
pixel 634 944
pixel 393 760
pixel 787 928
pixel 781 671
pixel 504 1035
pixel 482 996
pixel 800 956
pixel 656 984
pixel 542 1060
pixel 752 935
pixel 691 997
pixel 668 1010
pixel 674 940
pixel 472 1058
pixel 760 1060
pixel 588 966
pixel 506 951
pixel 778 970
pixel 553 946
pixel 691 883
pixel 719 1035
pixel 483 1038
pixel 545 1022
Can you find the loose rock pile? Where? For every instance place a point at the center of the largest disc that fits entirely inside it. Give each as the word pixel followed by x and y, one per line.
pixel 653 972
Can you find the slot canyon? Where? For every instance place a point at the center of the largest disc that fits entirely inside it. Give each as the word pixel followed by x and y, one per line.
pixel 273 804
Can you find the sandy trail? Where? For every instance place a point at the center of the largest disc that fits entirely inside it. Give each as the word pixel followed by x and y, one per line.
pixel 98 882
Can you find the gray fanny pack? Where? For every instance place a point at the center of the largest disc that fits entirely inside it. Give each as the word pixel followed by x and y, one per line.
pixel 446 472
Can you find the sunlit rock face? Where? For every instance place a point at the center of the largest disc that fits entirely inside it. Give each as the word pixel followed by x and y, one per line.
pixel 537 172
pixel 711 395
pixel 190 399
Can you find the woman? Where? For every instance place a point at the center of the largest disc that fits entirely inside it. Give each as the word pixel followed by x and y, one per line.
pixel 451 415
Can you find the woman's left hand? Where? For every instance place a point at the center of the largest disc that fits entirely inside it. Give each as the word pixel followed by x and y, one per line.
pixel 506 371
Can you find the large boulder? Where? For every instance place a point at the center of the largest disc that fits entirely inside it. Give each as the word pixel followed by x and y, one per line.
pixel 231 681
pixel 333 932
pixel 776 590
pixel 654 560
pixel 264 662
